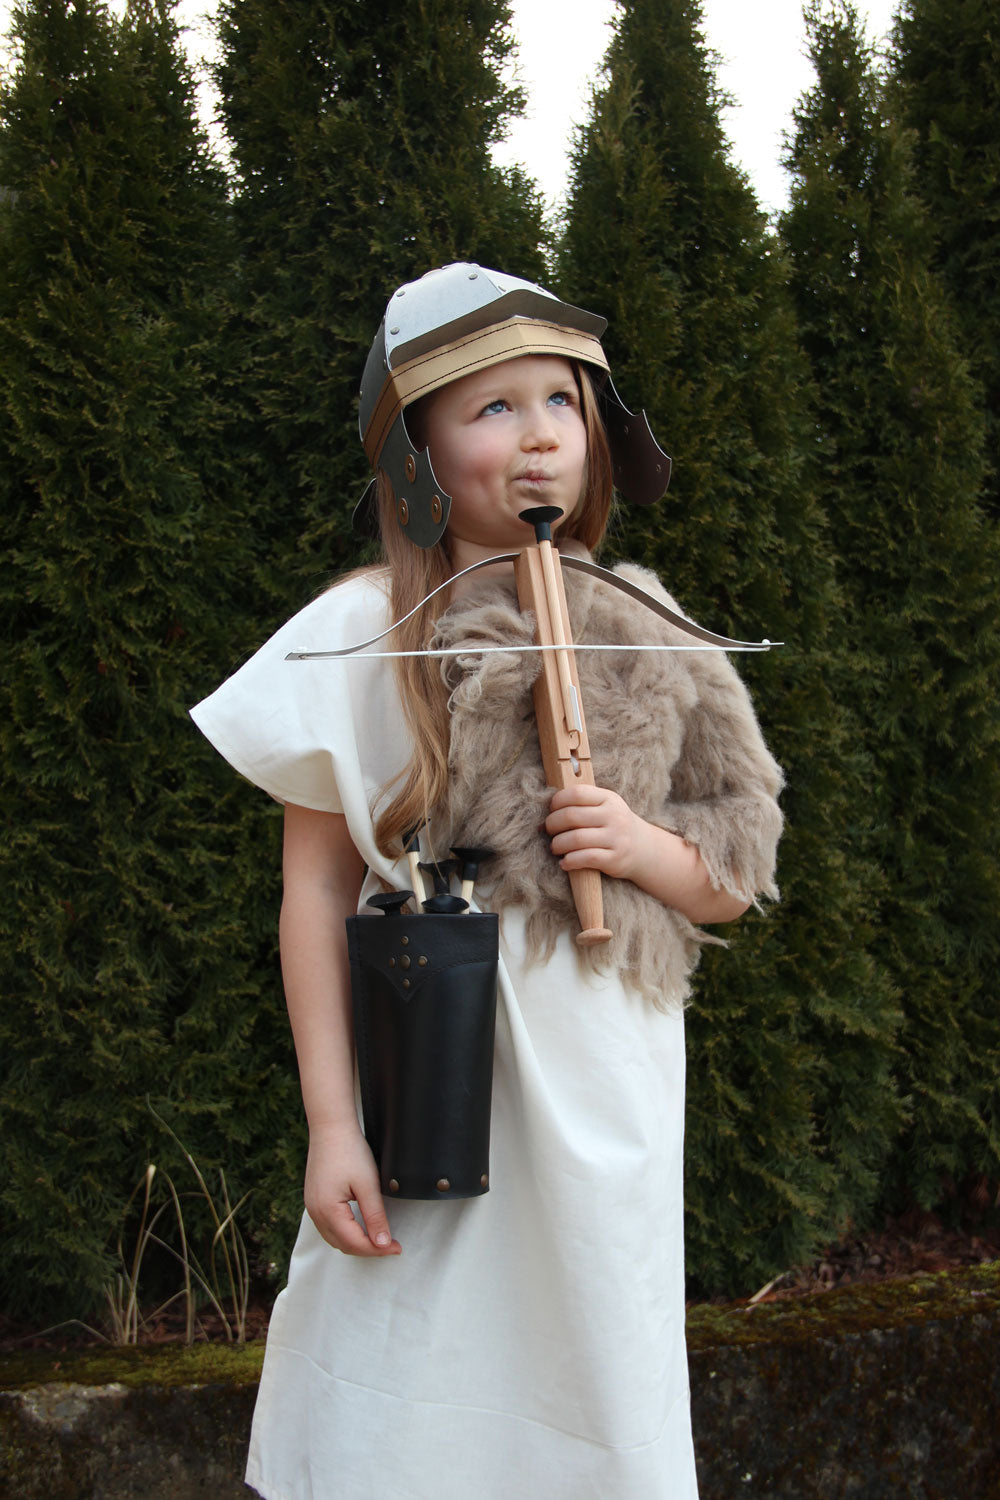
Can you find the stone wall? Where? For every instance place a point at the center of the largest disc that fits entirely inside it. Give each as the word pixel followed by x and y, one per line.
pixel 886 1392
pixel 859 1394
pixel 131 1424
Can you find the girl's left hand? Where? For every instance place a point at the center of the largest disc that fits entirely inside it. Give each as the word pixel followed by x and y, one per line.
pixel 594 829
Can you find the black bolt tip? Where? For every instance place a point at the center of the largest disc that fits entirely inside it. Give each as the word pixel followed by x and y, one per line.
pixel 440 874
pixel 391 902
pixel 410 837
pixel 445 906
pixel 541 518
pixel 470 859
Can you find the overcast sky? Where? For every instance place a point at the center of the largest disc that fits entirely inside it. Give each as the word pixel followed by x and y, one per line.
pixel 761 44
pixel 763 67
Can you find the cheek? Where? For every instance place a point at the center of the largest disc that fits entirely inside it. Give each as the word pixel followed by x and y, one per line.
pixel 477 464
pixel 582 455
pixel 445 464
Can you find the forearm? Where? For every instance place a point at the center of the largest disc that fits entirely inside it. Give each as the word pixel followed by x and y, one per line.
pixel 317 992
pixel 322 879
pixel 593 828
pixel 322 876
pixel 674 872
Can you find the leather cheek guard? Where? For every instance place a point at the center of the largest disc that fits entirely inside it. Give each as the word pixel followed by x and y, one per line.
pixel 640 471
pixel 640 468
pixel 422 507
pixel 424 991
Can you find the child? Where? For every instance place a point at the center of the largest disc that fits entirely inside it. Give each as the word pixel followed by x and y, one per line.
pixel 529 1342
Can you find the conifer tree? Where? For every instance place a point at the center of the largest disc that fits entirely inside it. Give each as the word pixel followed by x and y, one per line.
pixel 946 62
pixel 918 569
pixel 361 138
pixel 790 1113
pixel 132 878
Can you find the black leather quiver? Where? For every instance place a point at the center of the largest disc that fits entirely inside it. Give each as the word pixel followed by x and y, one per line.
pixel 424 990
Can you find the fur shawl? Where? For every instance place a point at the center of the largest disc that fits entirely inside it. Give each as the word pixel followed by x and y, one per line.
pixel 673 733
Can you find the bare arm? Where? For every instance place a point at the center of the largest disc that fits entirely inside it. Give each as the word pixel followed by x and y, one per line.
pixel 322 879
pixel 593 828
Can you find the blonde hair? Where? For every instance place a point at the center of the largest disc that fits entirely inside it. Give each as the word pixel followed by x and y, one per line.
pixel 414 572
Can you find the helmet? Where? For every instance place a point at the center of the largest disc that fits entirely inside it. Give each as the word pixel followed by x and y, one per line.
pixel 450 323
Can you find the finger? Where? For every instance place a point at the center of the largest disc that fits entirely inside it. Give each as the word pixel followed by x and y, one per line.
pixel 576 816
pixel 577 837
pixel 582 795
pixel 341 1229
pixel 373 1212
pixel 604 860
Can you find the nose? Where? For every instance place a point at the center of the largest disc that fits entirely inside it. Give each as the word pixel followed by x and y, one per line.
pixel 539 431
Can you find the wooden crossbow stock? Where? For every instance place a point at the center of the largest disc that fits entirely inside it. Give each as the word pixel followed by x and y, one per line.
pixel 562 730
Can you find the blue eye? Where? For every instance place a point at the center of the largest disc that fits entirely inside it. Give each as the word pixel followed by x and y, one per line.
pixel 560 398
pixel 493 406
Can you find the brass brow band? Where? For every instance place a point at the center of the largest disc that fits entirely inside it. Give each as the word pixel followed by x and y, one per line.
pixel 488 346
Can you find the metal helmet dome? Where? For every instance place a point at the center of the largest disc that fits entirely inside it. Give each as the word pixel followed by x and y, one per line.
pixel 463 318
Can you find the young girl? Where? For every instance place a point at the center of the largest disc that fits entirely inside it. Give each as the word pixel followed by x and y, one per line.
pixel 529 1342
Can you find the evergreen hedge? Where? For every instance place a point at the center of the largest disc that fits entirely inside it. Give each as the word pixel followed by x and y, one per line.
pixel 135 884
pixel 360 139
pixel 918 567
pixel 791 1110
pixel 179 372
pixel 179 356
pixel 945 66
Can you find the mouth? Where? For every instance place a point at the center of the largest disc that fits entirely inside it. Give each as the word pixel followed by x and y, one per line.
pixel 534 477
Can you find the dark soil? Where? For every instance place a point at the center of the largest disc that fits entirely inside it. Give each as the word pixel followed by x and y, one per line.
pixel 159 1328
pixel 909 1244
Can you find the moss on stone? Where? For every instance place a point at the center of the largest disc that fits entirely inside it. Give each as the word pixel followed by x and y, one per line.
pixel 846 1310
pixel 166 1365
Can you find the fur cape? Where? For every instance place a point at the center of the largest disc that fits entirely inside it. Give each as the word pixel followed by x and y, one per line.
pixel 673 733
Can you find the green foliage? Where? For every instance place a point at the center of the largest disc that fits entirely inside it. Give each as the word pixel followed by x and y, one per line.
pixel 134 885
pixel 918 568
pixel 790 1109
pixel 176 477
pixel 361 137
pixel 179 359
pixel 946 66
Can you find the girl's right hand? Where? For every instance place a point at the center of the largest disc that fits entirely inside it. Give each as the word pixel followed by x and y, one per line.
pixel 341 1169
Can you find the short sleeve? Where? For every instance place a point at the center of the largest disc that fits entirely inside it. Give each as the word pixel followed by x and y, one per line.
pixel 292 727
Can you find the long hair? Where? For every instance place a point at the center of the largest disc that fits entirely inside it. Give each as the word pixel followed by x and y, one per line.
pixel 414 573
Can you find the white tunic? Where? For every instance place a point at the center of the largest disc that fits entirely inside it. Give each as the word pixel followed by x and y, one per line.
pixel 529 1342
